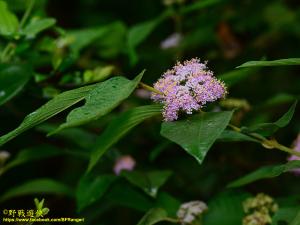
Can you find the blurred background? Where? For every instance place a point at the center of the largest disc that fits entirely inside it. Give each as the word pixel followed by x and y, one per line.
pixel 93 40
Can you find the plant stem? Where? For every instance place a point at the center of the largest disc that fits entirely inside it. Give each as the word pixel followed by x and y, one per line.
pixel 266 142
pixel 26 14
pixel 172 220
pixel 6 51
pixel 149 88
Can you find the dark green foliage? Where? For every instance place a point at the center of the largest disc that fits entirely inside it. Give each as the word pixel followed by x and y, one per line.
pixel 70 76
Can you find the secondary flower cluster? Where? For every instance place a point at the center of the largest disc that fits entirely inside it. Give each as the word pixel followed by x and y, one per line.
pixel 296 147
pixel 191 211
pixel 187 87
pixel 259 210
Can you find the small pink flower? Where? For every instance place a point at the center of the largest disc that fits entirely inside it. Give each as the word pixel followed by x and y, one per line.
pixel 172 41
pixel 296 147
pixel 125 162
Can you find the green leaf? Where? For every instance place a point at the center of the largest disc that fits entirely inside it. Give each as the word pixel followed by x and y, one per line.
pixel 8 21
pixel 50 109
pixel 101 100
pixel 153 216
pixel 198 5
pixel 235 76
pixel 124 195
pixel 91 188
pixel 280 98
pixel 84 37
pixel 37 26
pixel 226 209
pixel 265 172
pixel 279 62
pixel 267 129
pixel 230 135
pixel 149 182
pixel 167 202
pixel 286 214
pixel 32 154
pixel 81 137
pixel 12 80
pixel 113 42
pixel 296 220
pixel 38 186
pixel 138 33
pixel 197 134
pixel 119 127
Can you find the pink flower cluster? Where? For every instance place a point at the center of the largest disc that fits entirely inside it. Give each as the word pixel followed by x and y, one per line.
pixel 187 87
pixel 294 157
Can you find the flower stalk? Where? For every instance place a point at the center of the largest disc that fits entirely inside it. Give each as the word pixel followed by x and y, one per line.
pixel 266 143
pixel 149 88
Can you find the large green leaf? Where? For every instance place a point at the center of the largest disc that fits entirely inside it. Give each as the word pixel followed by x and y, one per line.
pixel 8 21
pixel 38 25
pixel 267 129
pixel 119 127
pixel 38 186
pixel 50 109
pixel 101 100
pixel 279 62
pixel 197 134
pixel 153 216
pixel 32 154
pixel 92 188
pixel 13 78
pixel 149 182
pixel 226 209
pixel 265 172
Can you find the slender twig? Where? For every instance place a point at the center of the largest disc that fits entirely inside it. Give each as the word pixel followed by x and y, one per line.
pixel 172 220
pixel 149 88
pixel 266 142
